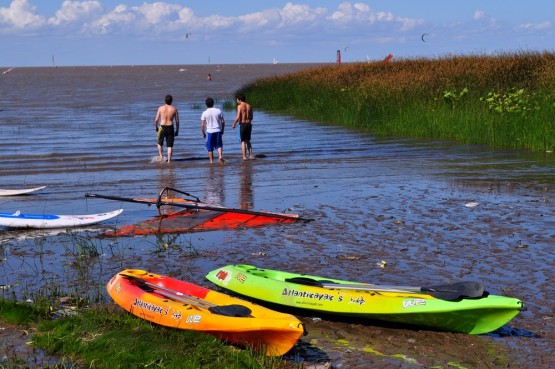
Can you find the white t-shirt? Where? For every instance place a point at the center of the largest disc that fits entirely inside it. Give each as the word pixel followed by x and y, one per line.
pixel 213 118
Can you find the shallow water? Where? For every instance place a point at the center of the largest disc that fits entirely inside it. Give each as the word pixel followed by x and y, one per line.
pixel 403 201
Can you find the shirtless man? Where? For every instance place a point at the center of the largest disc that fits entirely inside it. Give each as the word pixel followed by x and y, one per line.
pixel 166 115
pixel 244 118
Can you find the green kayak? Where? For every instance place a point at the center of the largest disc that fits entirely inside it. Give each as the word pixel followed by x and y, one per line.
pixel 459 307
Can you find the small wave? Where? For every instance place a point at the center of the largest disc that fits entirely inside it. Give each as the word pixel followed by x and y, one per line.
pixel 156 159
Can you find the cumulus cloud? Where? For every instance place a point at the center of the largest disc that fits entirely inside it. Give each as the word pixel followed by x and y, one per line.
pixel 157 13
pixel 344 13
pixel 74 11
pixel 266 18
pixel 359 14
pixel 347 13
pixel 186 16
pixel 153 17
pixel 294 14
pixel 21 15
pixel 108 22
pixel 293 17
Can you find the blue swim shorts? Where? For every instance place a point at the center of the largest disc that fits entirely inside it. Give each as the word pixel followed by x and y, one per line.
pixel 214 141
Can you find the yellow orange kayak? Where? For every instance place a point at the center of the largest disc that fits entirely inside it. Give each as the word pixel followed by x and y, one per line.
pixel 178 304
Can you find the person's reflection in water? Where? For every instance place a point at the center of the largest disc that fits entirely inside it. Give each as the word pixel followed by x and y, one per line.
pixel 246 196
pixel 214 186
pixel 166 179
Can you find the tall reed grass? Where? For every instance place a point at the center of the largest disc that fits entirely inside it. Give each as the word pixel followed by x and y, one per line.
pixel 506 100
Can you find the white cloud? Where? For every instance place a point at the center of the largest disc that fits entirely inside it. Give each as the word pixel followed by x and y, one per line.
pixel 153 19
pixel 347 13
pixel 266 18
pixel 156 17
pixel 292 17
pixel 158 13
pixel 362 7
pixel 293 14
pixel 479 15
pixel 21 15
pixel 294 20
pixel 74 11
pixel 120 17
pixel 484 18
pixel 343 14
pixel 216 22
pixel 536 26
pixel 186 16
pixel 356 15
pixel 408 24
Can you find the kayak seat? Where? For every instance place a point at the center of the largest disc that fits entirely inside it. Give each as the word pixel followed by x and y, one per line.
pixel 309 281
pixel 238 311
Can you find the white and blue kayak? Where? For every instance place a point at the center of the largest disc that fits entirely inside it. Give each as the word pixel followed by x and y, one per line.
pixel 4 192
pixel 21 220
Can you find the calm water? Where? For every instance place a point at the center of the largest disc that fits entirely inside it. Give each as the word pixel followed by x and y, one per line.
pixel 86 129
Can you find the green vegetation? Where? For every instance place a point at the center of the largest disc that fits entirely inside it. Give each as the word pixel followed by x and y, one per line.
pixel 104 337
pixel 18 314
pixel 505 101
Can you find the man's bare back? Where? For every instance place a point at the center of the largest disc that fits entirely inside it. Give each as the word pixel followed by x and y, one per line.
pixel 244 118
pixel 248 112
pixel 166 115
pixel 244 113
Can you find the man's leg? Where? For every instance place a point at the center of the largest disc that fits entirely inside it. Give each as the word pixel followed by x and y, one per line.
pixel 244 149
pixel 160 152
pixel 220 154
pixel 170 151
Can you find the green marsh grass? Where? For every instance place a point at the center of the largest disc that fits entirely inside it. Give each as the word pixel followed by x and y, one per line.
pixel 445 98
pixel 18 313
pixel 105 336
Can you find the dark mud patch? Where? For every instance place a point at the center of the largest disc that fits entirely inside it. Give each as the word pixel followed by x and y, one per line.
pixel 351 345
pixel 16 350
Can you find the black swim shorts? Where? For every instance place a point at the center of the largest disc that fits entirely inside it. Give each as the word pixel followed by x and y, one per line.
pixel 168 133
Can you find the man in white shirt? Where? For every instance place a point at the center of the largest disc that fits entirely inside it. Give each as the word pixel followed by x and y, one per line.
pixel 212 126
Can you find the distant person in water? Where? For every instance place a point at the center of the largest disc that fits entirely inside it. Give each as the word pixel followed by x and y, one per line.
pixel 212 127
pixel 244 118
pixel 166 115
pixel 209 78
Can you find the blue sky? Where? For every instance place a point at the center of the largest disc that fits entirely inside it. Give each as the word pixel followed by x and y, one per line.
pixel 135 32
